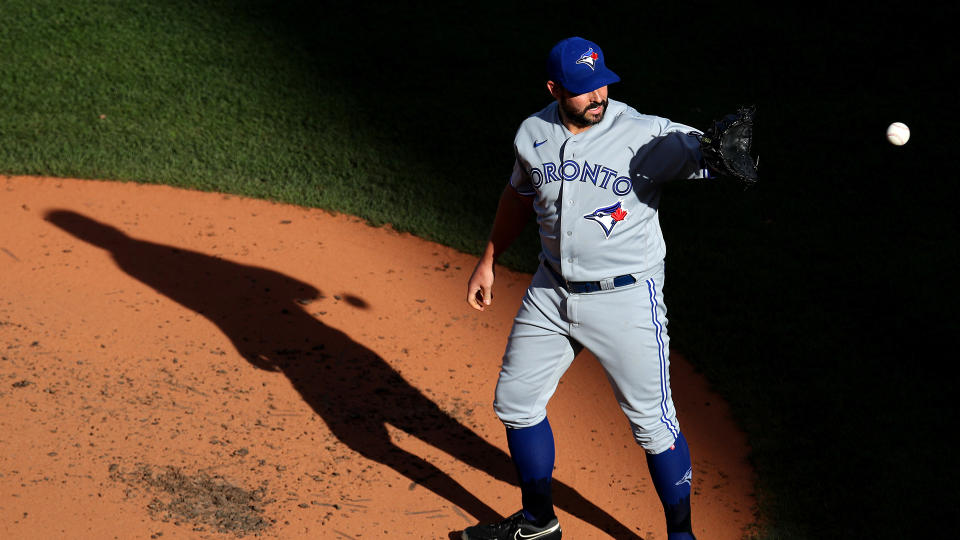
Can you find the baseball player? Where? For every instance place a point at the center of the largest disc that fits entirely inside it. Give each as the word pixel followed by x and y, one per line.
pixel 592 170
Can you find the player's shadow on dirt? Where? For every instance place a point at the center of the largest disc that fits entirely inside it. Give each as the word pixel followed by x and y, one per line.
pixel 353 390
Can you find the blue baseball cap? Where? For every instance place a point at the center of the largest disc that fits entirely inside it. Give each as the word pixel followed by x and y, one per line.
pixel 577 65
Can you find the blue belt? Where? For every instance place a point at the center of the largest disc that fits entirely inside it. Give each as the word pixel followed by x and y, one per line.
pixel 588 286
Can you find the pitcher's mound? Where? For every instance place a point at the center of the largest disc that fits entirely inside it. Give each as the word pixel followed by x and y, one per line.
pixel 194 365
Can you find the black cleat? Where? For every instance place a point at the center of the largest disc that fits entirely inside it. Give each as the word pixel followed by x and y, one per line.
pixel 515 527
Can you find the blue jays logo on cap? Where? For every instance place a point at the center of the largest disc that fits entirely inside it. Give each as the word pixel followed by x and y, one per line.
pixel 565 66
pixel 588 58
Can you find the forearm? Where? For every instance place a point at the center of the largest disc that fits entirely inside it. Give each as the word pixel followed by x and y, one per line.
pixel 513 212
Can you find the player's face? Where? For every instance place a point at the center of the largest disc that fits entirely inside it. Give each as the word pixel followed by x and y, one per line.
pixel 581 110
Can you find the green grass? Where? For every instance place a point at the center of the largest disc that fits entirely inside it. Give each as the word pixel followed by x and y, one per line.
pixel 819 303
pixel 225 96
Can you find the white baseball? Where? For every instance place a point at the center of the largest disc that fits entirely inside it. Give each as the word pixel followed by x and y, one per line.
pixel 898 133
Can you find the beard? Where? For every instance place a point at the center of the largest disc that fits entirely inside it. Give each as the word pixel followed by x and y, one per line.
pixel 581 118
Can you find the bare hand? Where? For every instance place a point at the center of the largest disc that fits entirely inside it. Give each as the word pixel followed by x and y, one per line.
pixel 480 286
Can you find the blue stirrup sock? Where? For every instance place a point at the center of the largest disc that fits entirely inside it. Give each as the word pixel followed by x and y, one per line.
pixel 672 475
pixel 533 453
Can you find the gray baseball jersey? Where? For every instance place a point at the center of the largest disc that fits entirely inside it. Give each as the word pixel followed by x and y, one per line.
pixel 596 199
pixel 606 183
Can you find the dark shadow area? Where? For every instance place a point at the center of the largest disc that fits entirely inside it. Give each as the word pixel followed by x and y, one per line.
pixel 443 86
pixel 355 391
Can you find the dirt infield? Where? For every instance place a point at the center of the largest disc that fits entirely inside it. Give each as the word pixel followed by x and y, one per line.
pixel 194 365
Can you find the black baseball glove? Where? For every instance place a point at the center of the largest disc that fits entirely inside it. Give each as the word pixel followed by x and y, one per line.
pixel 726 146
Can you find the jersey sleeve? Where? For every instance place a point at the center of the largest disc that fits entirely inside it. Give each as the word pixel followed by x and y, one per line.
pixel 520 180
pixel 671 155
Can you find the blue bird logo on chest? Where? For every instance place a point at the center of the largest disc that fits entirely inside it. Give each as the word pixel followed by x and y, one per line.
pixel 608 217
